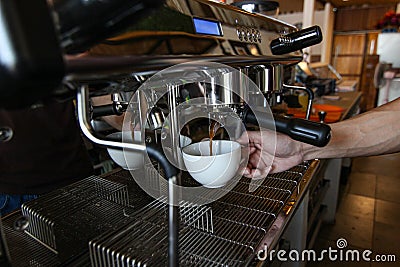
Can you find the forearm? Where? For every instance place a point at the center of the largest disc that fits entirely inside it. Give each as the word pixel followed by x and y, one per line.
pixel 372 133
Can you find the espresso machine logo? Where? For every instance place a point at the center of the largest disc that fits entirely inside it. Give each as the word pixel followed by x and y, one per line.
pixel 193 112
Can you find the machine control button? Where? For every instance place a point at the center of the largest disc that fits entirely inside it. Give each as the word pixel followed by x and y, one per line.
pixel 244 33
pixel 248 34
pixel 258 34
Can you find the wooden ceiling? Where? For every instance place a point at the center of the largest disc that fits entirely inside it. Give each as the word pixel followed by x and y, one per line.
pixel 341 3
pixel 289 6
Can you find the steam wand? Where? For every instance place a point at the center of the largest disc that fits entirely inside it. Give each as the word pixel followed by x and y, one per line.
pixel 310 97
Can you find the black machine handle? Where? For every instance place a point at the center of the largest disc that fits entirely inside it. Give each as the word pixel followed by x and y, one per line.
pixel 313 133
pixel 296 40
pixel 104 110
pixel 116 108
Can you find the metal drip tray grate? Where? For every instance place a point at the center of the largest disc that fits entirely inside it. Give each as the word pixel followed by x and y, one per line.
pixel 236 225
pixel 202 249
pixel 27 251
pixel 127 228
pixel 65 219
pixel 145 241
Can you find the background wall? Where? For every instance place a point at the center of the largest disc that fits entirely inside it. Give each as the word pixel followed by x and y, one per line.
pixel 360 18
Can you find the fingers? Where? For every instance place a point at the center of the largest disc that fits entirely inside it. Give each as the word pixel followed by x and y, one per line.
pixel 261 148
pixel 263 140
pixel 257 167
pixel 270 153
pixel 256 173
pixel 250 137
pixel 243 139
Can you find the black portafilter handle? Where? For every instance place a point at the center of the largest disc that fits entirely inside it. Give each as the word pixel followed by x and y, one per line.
pixel 313 133
pixel 296 40
pixel 104 110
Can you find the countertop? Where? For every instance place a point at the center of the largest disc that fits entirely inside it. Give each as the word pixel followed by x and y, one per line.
pixel 347 100
pixel 338 106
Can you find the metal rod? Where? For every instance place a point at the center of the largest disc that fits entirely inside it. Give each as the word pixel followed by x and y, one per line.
pixel 310 97
pixel 173 123
pixel 84 123
pixel 173 223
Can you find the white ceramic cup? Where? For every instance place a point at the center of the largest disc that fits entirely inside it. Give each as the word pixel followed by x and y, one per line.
pixel 129 160
pixel 216 170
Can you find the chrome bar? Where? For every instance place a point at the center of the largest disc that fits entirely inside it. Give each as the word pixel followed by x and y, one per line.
pixel 310 97
pixel 173 223
pixel 84 123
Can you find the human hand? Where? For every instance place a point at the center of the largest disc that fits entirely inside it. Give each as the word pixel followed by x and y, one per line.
pixel 267 155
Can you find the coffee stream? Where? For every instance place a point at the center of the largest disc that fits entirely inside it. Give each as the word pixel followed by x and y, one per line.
pixel 214 126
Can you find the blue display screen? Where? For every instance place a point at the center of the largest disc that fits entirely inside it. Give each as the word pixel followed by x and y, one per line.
pixel 204 26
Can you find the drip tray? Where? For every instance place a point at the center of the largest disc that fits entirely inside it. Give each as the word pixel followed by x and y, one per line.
pixel 110 221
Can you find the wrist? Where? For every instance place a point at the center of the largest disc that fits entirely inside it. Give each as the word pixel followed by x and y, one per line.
pixel 308 151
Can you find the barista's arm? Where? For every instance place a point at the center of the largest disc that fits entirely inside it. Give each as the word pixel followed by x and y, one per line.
pixel 371 133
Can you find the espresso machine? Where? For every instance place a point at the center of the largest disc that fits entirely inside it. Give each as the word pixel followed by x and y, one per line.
pixel 179 60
